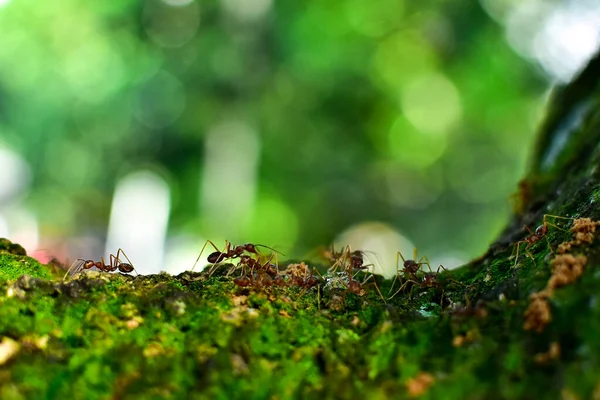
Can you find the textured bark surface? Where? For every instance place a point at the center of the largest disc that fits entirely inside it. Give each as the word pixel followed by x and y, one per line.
pixel 500 327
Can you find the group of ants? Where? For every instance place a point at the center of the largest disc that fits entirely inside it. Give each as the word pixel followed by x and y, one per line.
pixel 257 271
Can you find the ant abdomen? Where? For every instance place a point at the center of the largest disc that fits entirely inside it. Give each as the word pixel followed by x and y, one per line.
pixel 125 268
pixel 242 281
pixel 216 257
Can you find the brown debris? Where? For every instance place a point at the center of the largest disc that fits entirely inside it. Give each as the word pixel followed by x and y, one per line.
pixel 584 225
pixel 566 269
pixel 552 354
pixel 297 270
pixel 420 384
pixel 460 340
pixel 584 230
pixel 538 315
pixel 564 247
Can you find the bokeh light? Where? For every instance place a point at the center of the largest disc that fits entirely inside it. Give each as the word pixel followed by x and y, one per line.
pixel 138 220
pixel 282 123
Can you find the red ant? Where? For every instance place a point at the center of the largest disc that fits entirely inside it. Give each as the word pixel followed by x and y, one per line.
pixel 270 269
pixel 115 263
pixel 411 267
pixel 429 280
pixel 247 279
pixel 534 237
pixel 460 312
pixel 354 259
pixel 237 251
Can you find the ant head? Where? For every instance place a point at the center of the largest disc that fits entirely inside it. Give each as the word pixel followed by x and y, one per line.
pixel 355 287
pixel 430 279
pixel 411 265
pixel 312 281
pixel 541 230
pixel 250 248
pixel 357 262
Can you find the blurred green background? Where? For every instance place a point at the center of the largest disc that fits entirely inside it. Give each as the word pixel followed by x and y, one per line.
pixel 155 125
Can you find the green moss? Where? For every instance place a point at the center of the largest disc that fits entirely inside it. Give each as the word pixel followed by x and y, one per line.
pixel 12 267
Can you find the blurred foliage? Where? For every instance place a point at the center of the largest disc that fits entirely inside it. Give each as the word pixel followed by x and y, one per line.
pixel 417 114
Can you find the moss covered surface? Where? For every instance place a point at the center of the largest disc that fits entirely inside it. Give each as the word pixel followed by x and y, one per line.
pixel 103 336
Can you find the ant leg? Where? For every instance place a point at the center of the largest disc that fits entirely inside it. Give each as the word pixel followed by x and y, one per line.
pixel 450 277
pixel 365 271
pixel 104 267
pixel 277 260
pixel 241 264
pixel 398 257
pixel 202 251
pixel 226 250
pixel 376 286
pixel 305 289
pixel 76 266
pixel 554 224
pixel 342 256
pixel 517 246
pixel 529 230
pixel 113 261
pixel 402 287
pixel 426 262
pixel 268 263
pixel 529 252
pixel 348 259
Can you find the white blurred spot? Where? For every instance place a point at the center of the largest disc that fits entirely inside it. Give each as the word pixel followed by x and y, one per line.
pixel 560 36
pixel 182 252
pixel 247 10
pixel 451 260
pixel 139 219
pixel 4 2
pixel 15 175
pixel 178 3
pixel 523 22
pixel 160 101
pixel 380 242
pixel 432 104
pixel 569 37
pixel 4 232
pixel 231 156
pixel 22 227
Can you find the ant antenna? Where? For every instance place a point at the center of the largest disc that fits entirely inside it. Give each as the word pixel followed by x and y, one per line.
pixel 77 264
